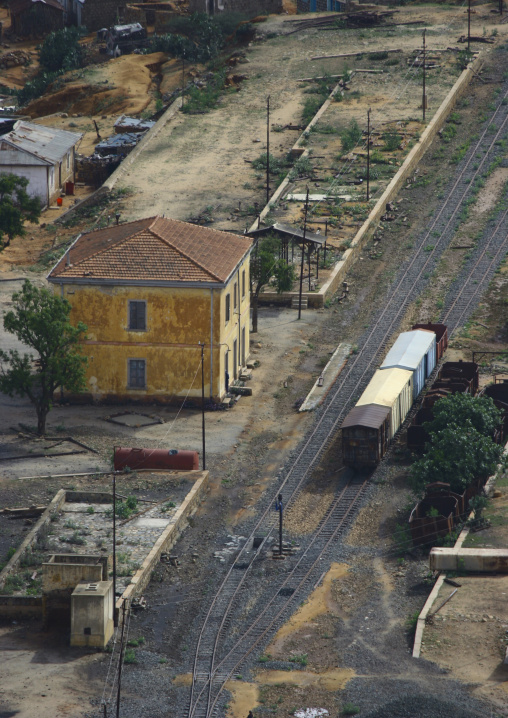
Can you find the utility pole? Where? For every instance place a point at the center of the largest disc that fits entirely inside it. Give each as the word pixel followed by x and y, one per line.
pixel 368 154
pixel 183 78
pixel 203 402
pixel 115 616
pixel 268 149
pixel 121 663
pixel 424 96
pixel 468 26
pixel 303 254
pixel 280 508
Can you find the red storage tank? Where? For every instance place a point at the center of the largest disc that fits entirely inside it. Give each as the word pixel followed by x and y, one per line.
pixel 172 460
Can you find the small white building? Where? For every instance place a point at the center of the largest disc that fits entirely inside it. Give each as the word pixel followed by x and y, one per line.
pixel 44 155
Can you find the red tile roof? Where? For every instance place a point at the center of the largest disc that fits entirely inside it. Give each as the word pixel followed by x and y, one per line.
pixel 153 249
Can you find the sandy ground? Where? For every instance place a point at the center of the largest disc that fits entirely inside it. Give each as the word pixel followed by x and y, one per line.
pixel 42 675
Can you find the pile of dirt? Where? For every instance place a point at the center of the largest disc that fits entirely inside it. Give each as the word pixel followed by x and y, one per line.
pixel 126 88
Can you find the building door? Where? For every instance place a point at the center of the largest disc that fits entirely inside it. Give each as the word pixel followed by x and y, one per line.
pixel 226 371
pixel 243 346
pixel 235 359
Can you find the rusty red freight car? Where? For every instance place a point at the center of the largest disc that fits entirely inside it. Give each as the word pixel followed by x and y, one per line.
pixel 169 460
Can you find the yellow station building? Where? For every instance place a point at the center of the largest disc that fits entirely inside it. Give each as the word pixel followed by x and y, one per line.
pixel 150 291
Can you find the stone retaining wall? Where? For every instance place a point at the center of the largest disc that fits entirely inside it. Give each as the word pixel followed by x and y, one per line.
pixel 167 539
pixel 21 606
pixel 31 537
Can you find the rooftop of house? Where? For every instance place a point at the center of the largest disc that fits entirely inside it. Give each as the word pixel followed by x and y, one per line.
pixel 156 249
pixel 17 6
pixel 44 144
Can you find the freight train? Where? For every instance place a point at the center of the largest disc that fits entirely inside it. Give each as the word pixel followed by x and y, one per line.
pixel 382 408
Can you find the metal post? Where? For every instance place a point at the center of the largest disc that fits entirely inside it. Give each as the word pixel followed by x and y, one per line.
pixel 203 403
pixel 308 264
pixel 303 255
pixel 424 96
pixel 368 153
pixel 468 25
pixel 268 149
pixel 120 663
pixel 317 264
pixel 115 616
pixel 326 235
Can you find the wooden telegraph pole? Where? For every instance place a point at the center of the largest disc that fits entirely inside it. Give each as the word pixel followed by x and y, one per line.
pixel 303 254
pixel 120 663
pixel 424 96
pixel 468 26
pixel 368 154
pixel 183 78
pixel 115 616
pixel 203 403
pixel 267 149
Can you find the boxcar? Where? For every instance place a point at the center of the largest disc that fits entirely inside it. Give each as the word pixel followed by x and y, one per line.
pixel 365 435
pixel 415 351
pixel 441 332
pixel 392 388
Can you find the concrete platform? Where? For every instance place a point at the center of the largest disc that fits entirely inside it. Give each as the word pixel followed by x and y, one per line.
pixel 331 371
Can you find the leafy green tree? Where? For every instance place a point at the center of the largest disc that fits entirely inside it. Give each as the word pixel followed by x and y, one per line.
pixel 284 276
pixel 265 265
pixel 61 50
pixel 16 207
pixel 40 320
pixel 457 455
pixel 464 410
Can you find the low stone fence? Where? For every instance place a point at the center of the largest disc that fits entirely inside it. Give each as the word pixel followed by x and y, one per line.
pixel 167 539
pixel 21 606
pixel 32 536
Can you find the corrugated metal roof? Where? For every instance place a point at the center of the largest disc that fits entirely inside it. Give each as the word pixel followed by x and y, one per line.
pixel 409 349
pixel 290 232
pixel 370 415
pixel 385 386
pixel 47 143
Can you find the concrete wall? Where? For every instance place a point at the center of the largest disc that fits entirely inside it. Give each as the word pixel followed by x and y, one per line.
pixel 247 7
pixel 92 611
pixel 61 578
pixel 21 606
pixel 168 538
pixel 95 14
pixel 31 537
pixel 476 560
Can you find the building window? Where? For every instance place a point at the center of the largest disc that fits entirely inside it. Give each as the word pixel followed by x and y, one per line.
pixel 68 160
pixel 243 283
pixel 228 307
pixel 137 373
pixel 137 316
pixel 235 289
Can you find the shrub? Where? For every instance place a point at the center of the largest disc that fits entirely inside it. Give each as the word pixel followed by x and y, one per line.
pixel 130 656
pixel 391 141
pixel 199 101
pixel 61 50
pixel 351 136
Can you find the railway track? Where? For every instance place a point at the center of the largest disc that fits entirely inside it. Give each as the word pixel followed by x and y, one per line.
pixel 228 636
